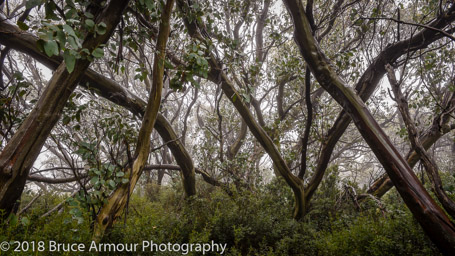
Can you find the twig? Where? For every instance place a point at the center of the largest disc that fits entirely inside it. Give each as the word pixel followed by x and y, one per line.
pixel 412 24
pixel 29 204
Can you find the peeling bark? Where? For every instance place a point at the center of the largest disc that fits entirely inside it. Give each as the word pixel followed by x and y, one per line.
pixel 217 74
pixel 365 87
pixel 20 153
pixel 12 36
pixel 118 200
pixel 440 126
pixel 431 217
pixel 428 162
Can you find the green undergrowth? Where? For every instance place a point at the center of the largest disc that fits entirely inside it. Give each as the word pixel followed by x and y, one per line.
pixel 250 223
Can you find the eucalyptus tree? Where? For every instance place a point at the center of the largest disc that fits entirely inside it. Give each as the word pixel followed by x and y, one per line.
pixel 431 98
pixel 118 200
pixel 430 216
pixel 13 37
pixel 239 100
pixel 19 154
pixel 388 156
pixel 366 84
pixel 428 161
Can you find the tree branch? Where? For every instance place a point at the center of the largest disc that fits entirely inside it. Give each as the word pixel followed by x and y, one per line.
pixel 413 135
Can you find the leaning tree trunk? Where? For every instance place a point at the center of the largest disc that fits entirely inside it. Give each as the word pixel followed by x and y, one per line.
pixel 439 128
pixel 20 153
pixel 13 37
pixel 119 198
pixel 217 75
pixel 365 87
pixel 430 216
pixel 428 161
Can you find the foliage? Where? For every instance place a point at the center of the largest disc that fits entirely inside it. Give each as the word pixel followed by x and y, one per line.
pixel 197 65
pixel 251 223
pixel 95 135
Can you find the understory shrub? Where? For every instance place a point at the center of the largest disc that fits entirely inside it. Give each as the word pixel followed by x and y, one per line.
pixel 250 223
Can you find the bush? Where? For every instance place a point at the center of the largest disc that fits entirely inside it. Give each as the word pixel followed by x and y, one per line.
pixel 250 223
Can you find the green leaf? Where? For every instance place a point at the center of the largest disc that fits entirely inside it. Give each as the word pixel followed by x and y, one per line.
pixel 85 50
pixel 70 14
pixel 120 174
pixel 70 61
pixel 246 96
pixel 150 5
pixel 70 3
pixel 195 83
pixel 76 212
pixel 71 202
pixel 192 56
pixel 61 38
pixel 110 168
pixel 133 45
pixel 112 183
pixel 72 42
pixel 168 64
pixel 49 36
pixel 98 53
pixel 101 28
pixel 51 48
pixel 32 3
pixel 40 44
pixel 80 220
pixel 358 22
pixel 78 116
pixel 94 180
pixel 124 181
pixel 22 25
pixel 66 120
pixel 69 30
pixel 90 23
pixel 25 221
pixel 88 15
pixel 49 8
pixel 12 219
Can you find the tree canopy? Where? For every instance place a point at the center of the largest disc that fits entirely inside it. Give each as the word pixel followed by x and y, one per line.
pixel 107 104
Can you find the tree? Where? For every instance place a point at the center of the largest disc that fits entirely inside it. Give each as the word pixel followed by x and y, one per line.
pixel 118 200
pixel 239 103
pixel 21 151
pixel 430 216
